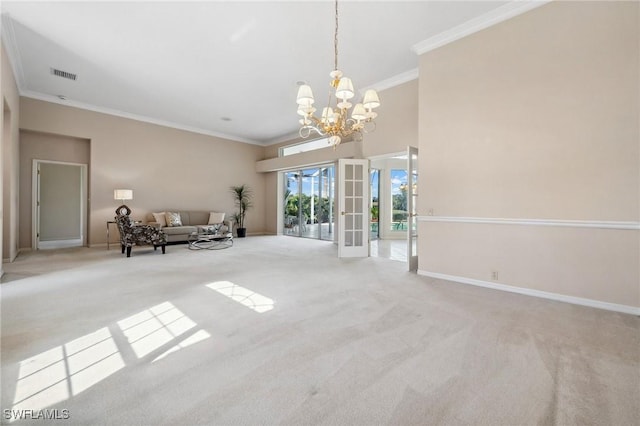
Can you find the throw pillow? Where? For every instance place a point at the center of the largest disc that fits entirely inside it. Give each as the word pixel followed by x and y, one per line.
pixel 215 218
pixel 173 219
pixel 161 218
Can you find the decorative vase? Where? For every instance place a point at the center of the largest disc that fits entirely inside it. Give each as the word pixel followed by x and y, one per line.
pixel 242 232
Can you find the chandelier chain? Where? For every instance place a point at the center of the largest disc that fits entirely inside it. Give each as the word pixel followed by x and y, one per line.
pixel 335 41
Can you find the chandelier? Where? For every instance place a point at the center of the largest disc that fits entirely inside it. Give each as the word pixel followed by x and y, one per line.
pixel 334 121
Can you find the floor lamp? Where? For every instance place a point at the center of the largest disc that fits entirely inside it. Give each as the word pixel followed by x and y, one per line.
pixel 123 195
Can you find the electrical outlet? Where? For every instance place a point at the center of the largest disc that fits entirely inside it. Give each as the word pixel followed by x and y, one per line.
pixel 494 275
pixel 430 212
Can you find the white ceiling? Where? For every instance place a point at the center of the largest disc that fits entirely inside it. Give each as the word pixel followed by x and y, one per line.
pixel 189 64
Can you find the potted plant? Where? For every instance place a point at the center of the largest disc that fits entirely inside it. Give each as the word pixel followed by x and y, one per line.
pixel 242 197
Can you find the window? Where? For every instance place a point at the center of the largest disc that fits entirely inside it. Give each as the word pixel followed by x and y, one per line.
pixel 304 147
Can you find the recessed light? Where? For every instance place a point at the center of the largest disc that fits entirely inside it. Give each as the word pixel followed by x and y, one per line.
pixel 62 97
pixel 300 82
pixel 225 118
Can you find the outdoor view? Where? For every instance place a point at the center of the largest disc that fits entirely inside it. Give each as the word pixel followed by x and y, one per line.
pixel 308 203
pixel 375 204
pixel 309 196
pixel 399 214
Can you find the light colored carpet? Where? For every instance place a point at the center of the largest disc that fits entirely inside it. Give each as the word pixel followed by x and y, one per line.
pixel 277 330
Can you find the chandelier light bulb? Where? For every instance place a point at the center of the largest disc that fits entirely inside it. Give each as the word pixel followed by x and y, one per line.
pixel 359 112
pixel 305 95
pixel 345 89
pixel 306 110
pixel 371 99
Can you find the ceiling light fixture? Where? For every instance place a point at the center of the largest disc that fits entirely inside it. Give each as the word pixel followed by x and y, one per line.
pixel 334 121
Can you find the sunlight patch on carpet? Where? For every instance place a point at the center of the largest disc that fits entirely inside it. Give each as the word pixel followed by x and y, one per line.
pixel 64 371
pixel 153 328
pixel 195 338
pixel 244 296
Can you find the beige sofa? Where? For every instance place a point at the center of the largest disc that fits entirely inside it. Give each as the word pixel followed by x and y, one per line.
pixel 192 221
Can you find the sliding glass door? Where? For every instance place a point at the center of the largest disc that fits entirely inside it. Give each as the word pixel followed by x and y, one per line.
pixel 308 202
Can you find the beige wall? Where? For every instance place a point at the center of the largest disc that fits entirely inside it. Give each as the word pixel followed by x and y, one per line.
pixel 166 168
pixel 536 118
pixel 9 151
pixel 49 147
pixel 396 124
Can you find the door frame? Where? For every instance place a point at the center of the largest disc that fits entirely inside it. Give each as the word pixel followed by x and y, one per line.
pixel 35 200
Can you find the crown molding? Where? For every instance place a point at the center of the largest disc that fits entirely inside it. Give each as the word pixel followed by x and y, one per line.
pixel 8 35
pixel 394 81
pixel 136 117
pixel 502 13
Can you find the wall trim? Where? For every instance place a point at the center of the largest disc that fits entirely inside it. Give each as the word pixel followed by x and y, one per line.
pixel 89 107
pixel 601 224
pixel 394 81
pixel 633 310
pixel 502 13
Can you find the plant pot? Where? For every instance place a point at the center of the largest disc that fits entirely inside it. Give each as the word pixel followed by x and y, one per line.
pixel 242 232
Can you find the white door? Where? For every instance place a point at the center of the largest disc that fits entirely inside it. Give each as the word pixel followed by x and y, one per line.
pixel 353 208
pixel 412 207
pixel 59 209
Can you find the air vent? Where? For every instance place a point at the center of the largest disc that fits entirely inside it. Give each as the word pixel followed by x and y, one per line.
pixel 64 74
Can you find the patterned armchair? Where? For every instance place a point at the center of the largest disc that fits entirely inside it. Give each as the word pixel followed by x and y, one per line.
pixel 131 234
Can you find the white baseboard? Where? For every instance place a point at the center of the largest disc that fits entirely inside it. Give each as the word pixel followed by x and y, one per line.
pixel 633 310
pixel 45 245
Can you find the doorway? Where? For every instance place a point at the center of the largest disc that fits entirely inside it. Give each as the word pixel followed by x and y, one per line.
pixel 395 178
pixel 59 216
pixel 308 202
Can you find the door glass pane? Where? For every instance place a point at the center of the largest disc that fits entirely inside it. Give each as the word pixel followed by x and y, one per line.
pixel 358 204
pixel 291 203
pixel 325 218
pixel 348 205
pixel 359 172
pixel 309 203
pixel 348 225
pixel 399 211
pixel 375 207
pixel 357 238
pixel 348 189
pixel 348 238
pixel 357 221
pixel 348 172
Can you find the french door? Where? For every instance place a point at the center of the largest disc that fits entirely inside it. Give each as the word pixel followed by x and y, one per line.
pixel 353 208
